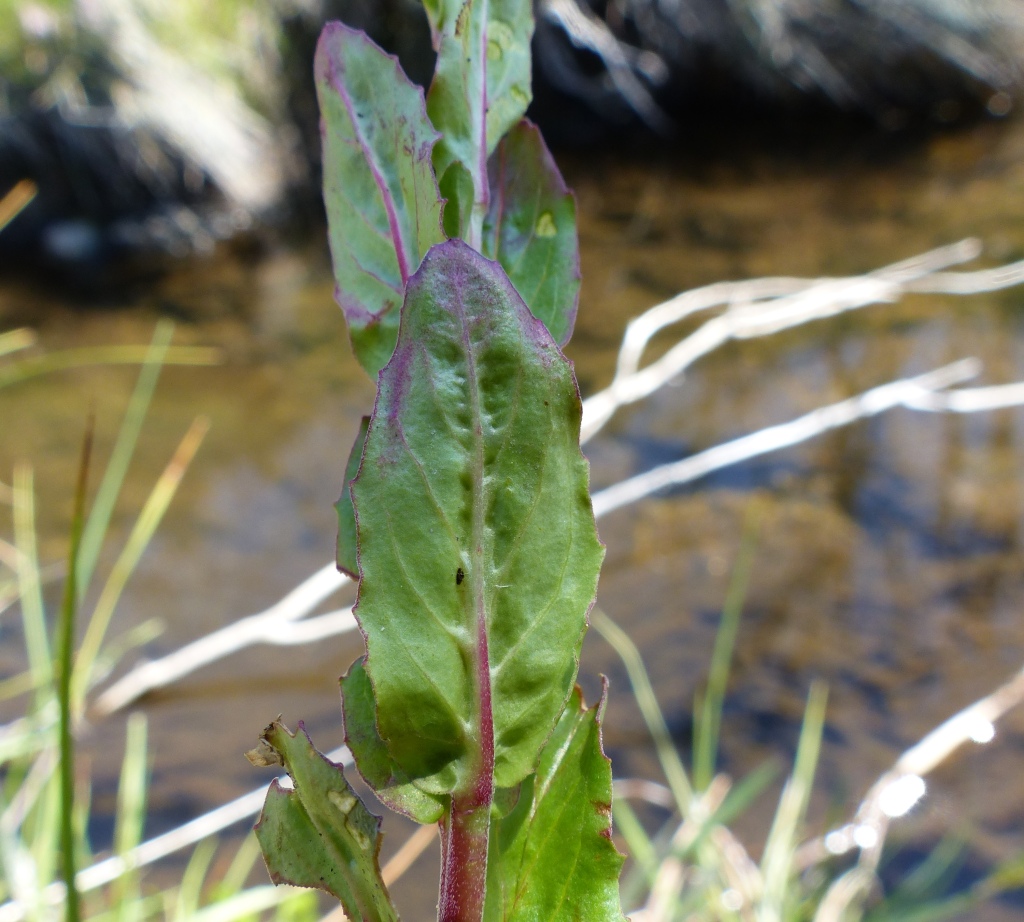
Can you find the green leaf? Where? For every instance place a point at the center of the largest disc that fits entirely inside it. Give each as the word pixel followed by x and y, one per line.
pixel 554 857
pixel 438 12
pixel 348 560
pixel 478 552
pixel 319 834
pixel 481 84
pixel 391 785
pixel 530 228
pixel 777 861
pixel 509 88
pixel 503 29
pixel 458 192
pixel 383 206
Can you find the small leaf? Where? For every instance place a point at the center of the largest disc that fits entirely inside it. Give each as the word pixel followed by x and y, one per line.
pixel 509 90
pixel 478 553
pixel 389 782
pixel 438 12
pixel 320 834
pixel 531 228
pixel 502 31
pixel 481 84
pixel 348 561
pixel 457 190
pixel 554 855
pixel 383 207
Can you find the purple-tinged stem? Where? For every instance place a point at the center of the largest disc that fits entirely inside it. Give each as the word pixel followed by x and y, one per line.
pixel 464 836
pixel 466 830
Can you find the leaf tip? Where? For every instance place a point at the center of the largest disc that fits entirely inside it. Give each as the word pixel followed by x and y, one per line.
pixel 265 754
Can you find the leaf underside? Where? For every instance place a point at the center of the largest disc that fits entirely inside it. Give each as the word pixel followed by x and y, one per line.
pixel 553 854
pixel 383 205
pixel 320 834
pixel 481 85
pixel 457 190
pixel 392 787
pixel 478 552
pixel 530 228
pixel 348 560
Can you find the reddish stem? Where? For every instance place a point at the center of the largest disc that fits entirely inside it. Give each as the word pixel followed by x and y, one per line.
pixel 466 830
pixel 464 837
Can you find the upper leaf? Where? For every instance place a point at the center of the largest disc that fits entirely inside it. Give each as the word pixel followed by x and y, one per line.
pixel 531 228
pixel 320 834
pixel 553 854
pixel 509 87
pixel 478 553
pixel 481 84
pixel 383 207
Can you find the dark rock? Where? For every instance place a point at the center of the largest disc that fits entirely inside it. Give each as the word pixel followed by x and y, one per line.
pixel 604 72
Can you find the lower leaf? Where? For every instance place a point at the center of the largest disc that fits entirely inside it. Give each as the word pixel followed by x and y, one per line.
pixel 320 834
pixel 552 857
pixel 392 786
pixel 348 558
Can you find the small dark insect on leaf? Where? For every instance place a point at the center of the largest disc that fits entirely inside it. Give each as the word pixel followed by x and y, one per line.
pixel 459 576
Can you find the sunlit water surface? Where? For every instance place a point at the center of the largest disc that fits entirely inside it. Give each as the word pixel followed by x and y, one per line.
pixel 889 561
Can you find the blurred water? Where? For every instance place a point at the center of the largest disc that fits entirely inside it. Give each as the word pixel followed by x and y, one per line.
pixel 889 561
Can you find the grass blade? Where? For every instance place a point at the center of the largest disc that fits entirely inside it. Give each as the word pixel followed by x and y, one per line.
pixel 15 200
pixel 248 904
pixel 147 522
pixel 742 795
pixel 16 340
pixel 777 863
pixel 33 615
pixel 708 725
pixel 240 868
pixel 131 815
pixel 927 880
pixel 120 457
pixel 639 847
pixel 42 827
pixel 191 890
pixel 65 359
pixel 671 765
pixel 64 669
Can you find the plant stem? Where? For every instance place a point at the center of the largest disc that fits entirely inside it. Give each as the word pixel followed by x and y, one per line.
pixel 464 835
pixel 65 661
pixel 466 830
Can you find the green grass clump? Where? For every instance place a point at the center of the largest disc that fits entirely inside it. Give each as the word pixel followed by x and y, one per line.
pixel 44 791
pixel 694 868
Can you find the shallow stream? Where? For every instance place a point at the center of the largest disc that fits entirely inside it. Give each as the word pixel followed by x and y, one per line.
pixel 890 557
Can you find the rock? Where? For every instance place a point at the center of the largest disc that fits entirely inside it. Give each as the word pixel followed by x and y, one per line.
pixel 137 141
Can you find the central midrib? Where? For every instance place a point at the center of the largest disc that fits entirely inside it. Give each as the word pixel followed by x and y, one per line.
pixel 484 769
